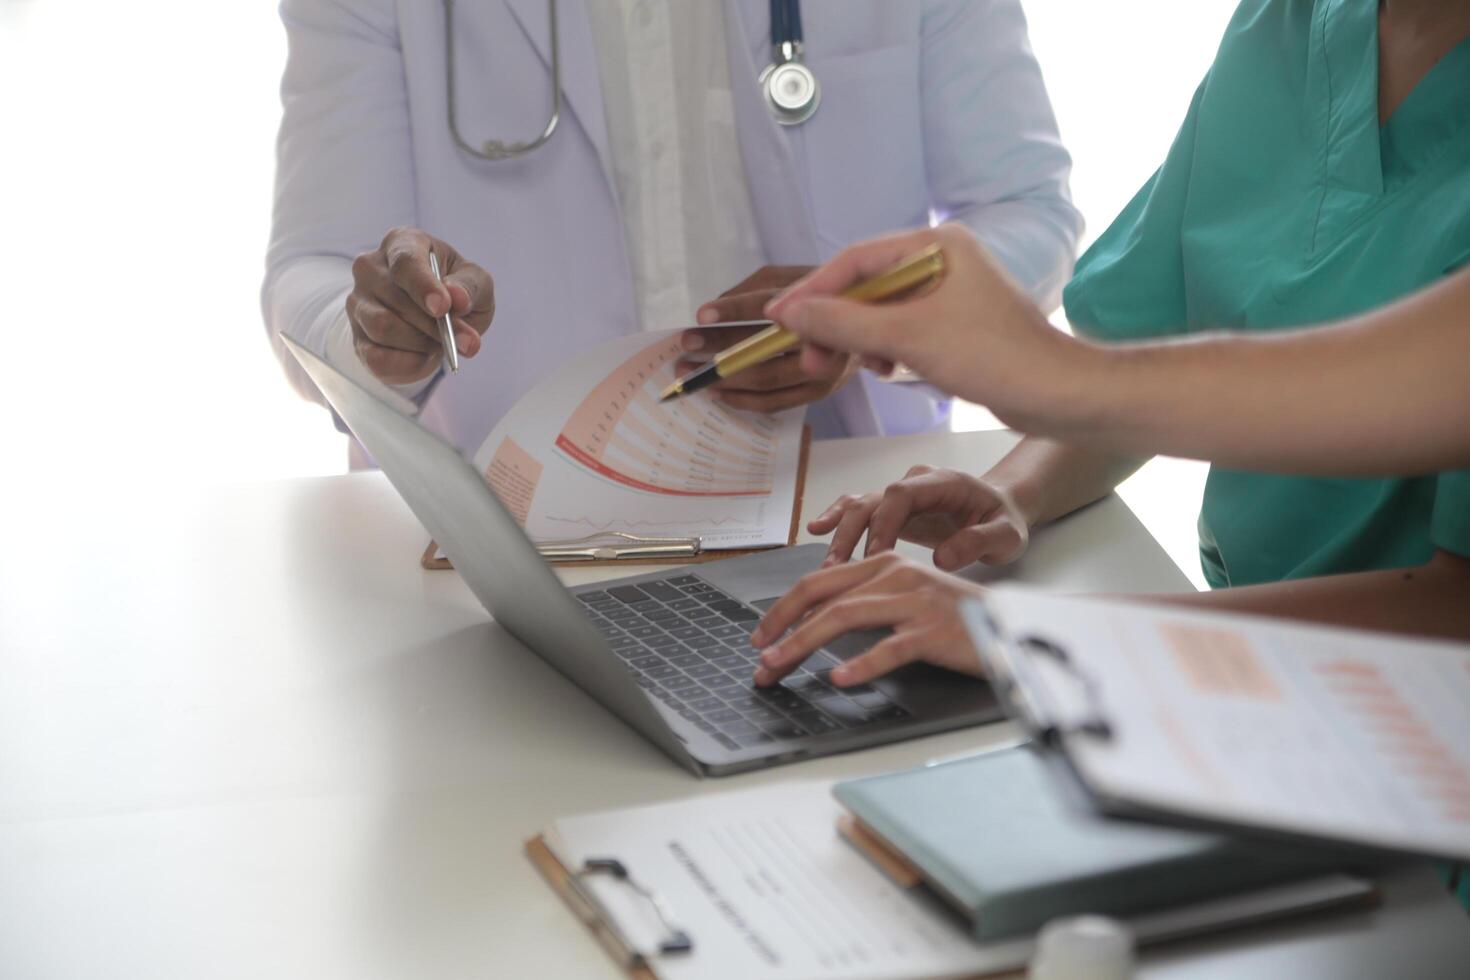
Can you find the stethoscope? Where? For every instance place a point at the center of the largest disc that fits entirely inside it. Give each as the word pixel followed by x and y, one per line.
pixel 789 87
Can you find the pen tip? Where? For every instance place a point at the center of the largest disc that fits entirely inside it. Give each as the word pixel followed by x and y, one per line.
pixel 669 394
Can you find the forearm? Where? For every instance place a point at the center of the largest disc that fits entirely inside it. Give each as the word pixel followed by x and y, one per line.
pixel 1428 600
pixel 1382 393
pixel 1049 480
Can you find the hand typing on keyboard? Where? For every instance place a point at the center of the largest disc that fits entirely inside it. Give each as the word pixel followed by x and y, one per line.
pixel 688 645
pixel 920 604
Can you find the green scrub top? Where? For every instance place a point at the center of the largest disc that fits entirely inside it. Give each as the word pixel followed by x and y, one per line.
pixel 1282 203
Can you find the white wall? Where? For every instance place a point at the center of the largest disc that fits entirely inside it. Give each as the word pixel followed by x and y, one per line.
pixel 134 208
pixel 135 197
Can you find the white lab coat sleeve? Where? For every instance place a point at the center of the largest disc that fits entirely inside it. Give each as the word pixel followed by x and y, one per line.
pixel 344 177
pixel 994 157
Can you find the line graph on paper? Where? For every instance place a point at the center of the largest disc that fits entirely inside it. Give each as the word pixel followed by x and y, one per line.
pixel 693 447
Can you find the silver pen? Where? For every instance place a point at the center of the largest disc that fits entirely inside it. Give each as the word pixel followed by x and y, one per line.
pixel 446 329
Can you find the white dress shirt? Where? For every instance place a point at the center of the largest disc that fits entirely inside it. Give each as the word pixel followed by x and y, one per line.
pixel 675 156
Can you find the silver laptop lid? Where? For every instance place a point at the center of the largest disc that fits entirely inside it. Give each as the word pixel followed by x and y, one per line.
pixel 493 555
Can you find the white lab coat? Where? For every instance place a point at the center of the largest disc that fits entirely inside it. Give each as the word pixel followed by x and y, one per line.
pixel 931 109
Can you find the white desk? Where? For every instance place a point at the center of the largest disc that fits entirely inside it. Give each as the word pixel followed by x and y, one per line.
pixel 244 735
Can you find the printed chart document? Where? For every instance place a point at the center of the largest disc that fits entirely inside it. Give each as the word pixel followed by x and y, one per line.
pixel 1241 721
pixel 591 450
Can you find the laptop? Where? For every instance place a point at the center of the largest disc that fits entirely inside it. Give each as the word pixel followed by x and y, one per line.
pixel 667 652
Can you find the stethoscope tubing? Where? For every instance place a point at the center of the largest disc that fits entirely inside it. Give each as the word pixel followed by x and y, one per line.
pixel 786 44
pixel 785 24
pixel 498 149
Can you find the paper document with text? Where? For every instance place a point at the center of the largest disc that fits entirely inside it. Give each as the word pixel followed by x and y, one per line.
pixel 590 449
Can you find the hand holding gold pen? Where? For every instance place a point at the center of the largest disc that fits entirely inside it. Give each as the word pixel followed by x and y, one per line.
pixel 923 267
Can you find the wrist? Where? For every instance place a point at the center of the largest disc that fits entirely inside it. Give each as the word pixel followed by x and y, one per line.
pixel 1130 389
pixel 1017 484
pixel 1092 384
pixel 1065 390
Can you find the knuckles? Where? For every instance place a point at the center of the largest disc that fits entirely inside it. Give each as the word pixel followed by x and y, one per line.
pixel 366 265
pixel 402 231
pixel 901 492
pixel 400 262
pixel 888 563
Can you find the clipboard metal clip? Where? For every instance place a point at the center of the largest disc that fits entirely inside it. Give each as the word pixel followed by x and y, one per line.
pixel 610 545
pixel 675 940
pixel 1007 660
pixel 1047 725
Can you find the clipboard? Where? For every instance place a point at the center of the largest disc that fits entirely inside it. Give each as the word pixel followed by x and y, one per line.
pixel 586 908
pixel 1049 659
pixel 431 559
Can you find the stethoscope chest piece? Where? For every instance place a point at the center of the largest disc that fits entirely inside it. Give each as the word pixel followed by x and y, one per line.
pixel 791 92
pixel 790 88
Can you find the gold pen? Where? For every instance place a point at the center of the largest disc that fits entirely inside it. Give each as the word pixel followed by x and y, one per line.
pixel 923 267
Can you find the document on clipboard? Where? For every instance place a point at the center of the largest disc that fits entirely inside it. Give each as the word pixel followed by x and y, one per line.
pixel 1239 722
pixel 593 467
pixel 762 884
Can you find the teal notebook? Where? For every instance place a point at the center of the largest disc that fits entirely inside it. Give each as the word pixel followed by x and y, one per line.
pixel 997 837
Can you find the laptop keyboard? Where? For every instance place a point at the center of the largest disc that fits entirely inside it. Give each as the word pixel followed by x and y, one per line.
pixel 688 644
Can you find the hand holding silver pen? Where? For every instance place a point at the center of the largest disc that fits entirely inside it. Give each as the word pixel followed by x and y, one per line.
pixel 414 300
pixel 446 328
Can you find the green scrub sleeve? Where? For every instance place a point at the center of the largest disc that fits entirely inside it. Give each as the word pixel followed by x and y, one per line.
pixel 1449 526
pixel 1130 284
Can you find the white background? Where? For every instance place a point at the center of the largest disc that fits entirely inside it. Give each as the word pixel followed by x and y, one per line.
pixel 136 148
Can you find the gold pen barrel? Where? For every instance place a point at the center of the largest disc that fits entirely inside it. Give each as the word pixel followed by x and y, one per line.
pixel 917 269
pixel 754 349
pixel 922 267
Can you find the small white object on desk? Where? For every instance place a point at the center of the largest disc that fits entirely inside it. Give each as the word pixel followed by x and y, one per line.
pixel 1083 947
